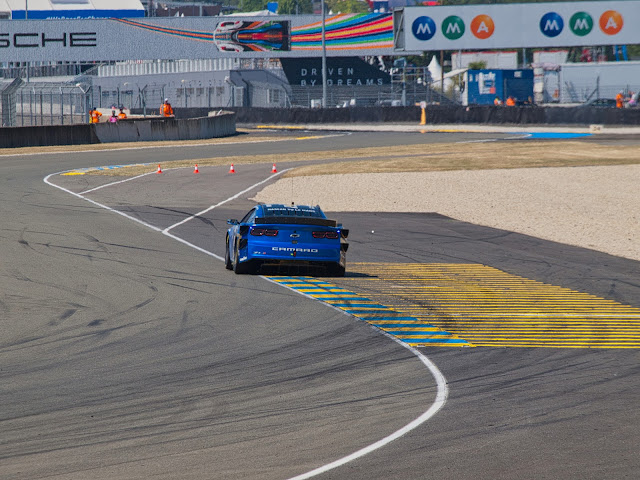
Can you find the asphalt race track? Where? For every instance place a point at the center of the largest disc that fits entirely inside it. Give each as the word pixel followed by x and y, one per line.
pixel 129 351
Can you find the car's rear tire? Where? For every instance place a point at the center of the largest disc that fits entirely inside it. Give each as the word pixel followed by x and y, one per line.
pixel 336 270
pixel 240 268
pixel 227 258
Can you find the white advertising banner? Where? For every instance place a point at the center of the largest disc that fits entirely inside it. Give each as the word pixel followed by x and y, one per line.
pixel 195 37
pixel 479 27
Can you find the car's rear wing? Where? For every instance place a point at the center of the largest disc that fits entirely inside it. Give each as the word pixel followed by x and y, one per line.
pixel 324 222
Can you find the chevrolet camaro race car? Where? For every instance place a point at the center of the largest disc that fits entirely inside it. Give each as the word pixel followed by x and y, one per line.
pixel 275 234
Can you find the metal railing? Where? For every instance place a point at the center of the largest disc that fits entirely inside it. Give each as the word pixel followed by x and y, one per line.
pixel 45 104
pixel 38 70
pixel 367 95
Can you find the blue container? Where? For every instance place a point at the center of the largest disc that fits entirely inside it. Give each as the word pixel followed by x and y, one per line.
pixel 483 86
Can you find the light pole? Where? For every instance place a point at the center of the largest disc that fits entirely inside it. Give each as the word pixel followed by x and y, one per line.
pixel 324 59
pixel 87 99
pixel 26 17
pixel 121 102
pixel 142 95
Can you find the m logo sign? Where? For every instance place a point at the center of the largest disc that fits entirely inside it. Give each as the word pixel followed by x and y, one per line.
pixel 423 28
pixel 453 27
pixel 551 24
pixel 581 24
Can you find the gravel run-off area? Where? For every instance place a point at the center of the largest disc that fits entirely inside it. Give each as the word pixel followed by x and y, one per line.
pixel 591 207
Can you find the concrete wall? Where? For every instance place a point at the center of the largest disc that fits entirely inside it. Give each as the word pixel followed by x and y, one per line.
pixel 15 137
pixel 200 127
pixel 166 129
pixel 443 114
pixel 436 114
pixel 130 130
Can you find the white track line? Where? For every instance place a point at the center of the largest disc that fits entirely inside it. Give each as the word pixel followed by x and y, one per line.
pixel 441 398
pixel 48 182
pixel 116 183
pixel 441 381
pixel 166 230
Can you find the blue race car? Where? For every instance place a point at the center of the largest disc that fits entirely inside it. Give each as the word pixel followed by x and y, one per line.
pixel 279 235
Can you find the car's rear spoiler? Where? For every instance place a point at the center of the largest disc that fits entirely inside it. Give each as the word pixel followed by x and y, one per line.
pixel 324 222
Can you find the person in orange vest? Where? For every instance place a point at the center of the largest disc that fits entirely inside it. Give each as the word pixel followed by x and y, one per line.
pixel 619 100
pixel 94 115
pixel 497 101
pixel 165 109
pixel 511 102
pixel 122 115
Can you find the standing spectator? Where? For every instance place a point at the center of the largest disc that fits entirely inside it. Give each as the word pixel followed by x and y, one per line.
pixel 619 99
pixel 511 102
pixel 94 115
pixel 122 115
pixel 165 109
pixel 497 101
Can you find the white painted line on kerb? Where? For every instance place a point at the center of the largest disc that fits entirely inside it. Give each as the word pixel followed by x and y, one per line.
pixel 441 382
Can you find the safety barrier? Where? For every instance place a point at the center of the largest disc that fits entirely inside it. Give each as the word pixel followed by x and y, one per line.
pixel 15 137
pixel 130 130
pixel 167 129
pixel 435 114
pixel 444 114
pixel 193 124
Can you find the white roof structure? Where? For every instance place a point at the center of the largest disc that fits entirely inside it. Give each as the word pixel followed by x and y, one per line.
pixel 48 9
pixel 259 13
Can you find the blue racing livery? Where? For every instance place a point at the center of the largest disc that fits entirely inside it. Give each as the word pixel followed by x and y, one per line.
pixel 276 234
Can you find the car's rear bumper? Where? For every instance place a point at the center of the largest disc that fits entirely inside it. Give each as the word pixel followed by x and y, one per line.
pixel 294 258
pixel 282 252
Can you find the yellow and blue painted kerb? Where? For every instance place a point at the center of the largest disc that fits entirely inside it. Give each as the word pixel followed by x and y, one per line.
pixel 405 328
pixel 84 171
pixel 492 308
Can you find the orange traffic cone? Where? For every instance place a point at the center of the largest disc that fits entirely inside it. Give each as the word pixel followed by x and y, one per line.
pixel 196 169
pixel 274 169
pixel 159 169
pixel 232 170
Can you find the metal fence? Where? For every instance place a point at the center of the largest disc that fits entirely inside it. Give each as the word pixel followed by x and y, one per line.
pixel 148 98
pixel 381 95
pixel 37 70
pixel 579 92
pixel 33 103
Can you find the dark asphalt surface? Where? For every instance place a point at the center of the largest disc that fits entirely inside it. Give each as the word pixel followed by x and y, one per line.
pixel 126 354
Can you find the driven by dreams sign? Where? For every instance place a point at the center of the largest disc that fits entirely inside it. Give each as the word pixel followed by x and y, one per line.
pixel 307 72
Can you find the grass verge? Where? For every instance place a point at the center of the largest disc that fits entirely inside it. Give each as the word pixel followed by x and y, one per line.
pixel 428 158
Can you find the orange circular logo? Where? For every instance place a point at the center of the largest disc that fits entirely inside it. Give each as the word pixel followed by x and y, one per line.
pixel 482 26
pixel 611 22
